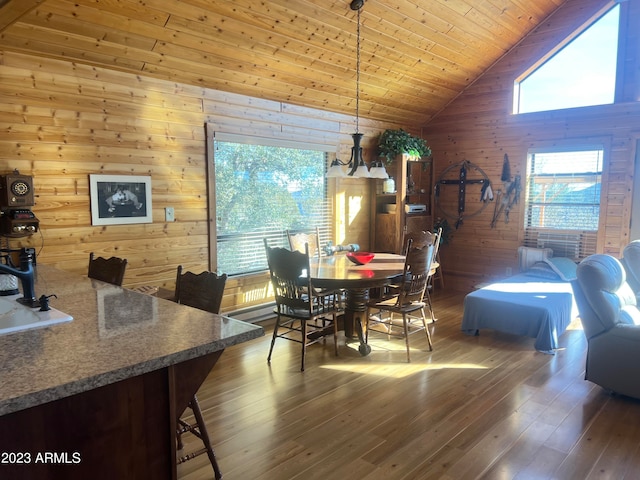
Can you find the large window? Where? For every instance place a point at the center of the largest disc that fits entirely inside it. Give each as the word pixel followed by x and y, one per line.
pixel 263 188
pixel 563 199
pixel 581 73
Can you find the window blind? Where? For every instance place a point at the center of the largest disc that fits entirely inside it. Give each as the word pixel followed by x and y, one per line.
pixel 563 200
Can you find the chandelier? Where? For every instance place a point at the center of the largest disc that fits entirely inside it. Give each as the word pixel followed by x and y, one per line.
pixel 356 165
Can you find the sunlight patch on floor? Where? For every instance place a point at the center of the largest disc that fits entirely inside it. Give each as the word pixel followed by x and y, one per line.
pixel 379 363
pixel 399 369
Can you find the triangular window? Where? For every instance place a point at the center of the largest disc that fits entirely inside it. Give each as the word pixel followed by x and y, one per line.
pixel 580 73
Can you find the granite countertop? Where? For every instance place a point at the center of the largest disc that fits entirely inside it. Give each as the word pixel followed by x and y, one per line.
pixel 115 334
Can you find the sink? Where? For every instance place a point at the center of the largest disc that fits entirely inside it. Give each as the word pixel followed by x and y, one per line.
pixel 15 317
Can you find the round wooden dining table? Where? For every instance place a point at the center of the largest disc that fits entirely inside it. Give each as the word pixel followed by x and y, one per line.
pixel 338 272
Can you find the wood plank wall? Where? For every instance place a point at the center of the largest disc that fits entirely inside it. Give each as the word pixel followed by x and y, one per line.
pixel 479 127
pixel 61 122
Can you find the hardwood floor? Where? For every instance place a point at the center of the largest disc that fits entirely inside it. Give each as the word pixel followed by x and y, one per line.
pixel 486 407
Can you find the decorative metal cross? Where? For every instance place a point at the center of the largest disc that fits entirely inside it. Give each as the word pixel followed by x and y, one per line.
pixel 462 183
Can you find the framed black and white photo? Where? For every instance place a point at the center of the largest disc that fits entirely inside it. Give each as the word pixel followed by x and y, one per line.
pixel 120 199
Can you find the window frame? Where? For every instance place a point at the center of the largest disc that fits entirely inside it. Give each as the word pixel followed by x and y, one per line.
pixel 556 49
pixel 588 237
pixel 326 229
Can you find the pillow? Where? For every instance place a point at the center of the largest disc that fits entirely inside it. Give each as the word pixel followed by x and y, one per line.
pixel 564 267
pixel 528 256
pixel 542 270
pixel 554 268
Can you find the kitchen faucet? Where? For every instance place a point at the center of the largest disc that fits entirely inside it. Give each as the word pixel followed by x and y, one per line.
pixel 26 276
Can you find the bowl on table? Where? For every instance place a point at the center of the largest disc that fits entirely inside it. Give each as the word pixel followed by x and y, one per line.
pixel 360 258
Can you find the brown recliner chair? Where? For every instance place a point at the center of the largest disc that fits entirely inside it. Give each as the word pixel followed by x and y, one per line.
pixel 611 323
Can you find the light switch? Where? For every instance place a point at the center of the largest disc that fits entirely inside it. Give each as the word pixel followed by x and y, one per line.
pixel 169 214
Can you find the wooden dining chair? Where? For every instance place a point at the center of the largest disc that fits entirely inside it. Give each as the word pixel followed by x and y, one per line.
pixel 203 291
pixel 416 239
pixel 302 316
pixel 424 238
pixel 434 273
pixel 297 241
pixel 408 302
pixel 109 270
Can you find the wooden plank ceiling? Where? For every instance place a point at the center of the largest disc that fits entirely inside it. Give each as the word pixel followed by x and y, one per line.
pixel 416 55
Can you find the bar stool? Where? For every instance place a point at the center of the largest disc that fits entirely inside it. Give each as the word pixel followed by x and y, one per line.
pixel 203 291
pixel 107 270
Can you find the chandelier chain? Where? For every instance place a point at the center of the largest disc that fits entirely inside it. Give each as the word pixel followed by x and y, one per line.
pixel 358 75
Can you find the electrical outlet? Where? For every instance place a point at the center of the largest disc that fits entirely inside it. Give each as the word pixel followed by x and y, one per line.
pixel 169 214
pixel 508 271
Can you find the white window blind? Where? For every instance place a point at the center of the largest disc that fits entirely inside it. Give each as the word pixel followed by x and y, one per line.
pixel 262 188
pixel 563 200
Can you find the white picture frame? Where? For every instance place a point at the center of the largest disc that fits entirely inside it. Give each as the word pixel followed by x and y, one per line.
pixel 120 199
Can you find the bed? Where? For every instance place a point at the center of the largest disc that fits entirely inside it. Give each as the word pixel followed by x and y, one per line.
pixel 537 302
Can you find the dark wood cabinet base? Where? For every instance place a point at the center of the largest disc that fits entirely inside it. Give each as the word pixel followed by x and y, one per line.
pixel 125 430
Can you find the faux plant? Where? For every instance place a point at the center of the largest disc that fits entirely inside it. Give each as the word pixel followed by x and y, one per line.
pixel 447 231
pixel 396 142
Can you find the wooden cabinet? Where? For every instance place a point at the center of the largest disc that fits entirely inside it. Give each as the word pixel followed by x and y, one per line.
pixel 409 208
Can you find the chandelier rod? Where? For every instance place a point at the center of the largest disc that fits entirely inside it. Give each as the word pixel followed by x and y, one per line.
pixel 358 76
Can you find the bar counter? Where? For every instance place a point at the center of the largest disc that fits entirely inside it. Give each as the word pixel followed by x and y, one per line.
pixel 116 366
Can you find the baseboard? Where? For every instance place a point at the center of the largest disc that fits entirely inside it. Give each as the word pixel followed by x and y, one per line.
pixel 253 314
